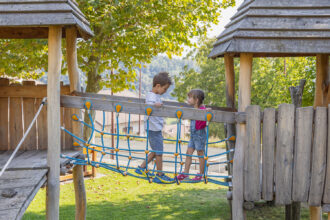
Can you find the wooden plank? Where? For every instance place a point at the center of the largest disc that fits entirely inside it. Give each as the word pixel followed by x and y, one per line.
pixel 21 178
pixel 15 121
pixel 137 108
pixel 302 154
pixel 284 154
pixel 29 91
pixel 137 100
pixel 318 157
pixel 4 117
pixel 9 213
pixel 30 142
pixel 268 153
pixel 53 121
pixel 252 152
pixel 4 156
pixel 321 78
pixel 42 126
pixel 244 99
pixel 68 143
pixel 326 194
pixel 78 173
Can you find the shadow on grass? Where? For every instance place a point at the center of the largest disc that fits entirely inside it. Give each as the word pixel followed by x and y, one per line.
pixel 170 204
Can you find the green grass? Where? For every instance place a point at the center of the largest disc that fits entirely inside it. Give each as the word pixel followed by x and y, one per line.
pixel 117 197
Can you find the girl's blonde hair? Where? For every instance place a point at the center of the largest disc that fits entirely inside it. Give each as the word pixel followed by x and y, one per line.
pixel 197 94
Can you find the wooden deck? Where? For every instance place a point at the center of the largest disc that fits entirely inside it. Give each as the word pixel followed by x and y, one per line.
pixel 24 177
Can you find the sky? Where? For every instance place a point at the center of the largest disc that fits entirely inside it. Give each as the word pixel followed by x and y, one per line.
pixel 224 19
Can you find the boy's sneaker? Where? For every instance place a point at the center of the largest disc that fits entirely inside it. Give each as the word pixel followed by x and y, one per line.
pixel 140 170
pixel 182 176
pixel 198 177
pixel 162 179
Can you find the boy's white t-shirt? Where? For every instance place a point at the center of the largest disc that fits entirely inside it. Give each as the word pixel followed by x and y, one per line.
pixel 155 123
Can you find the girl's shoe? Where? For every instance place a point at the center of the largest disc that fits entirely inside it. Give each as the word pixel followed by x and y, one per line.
pixel 198 177
pixel 182 176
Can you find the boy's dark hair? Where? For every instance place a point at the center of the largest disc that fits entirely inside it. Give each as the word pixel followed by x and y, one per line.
pixel 197 94
pixel 162 79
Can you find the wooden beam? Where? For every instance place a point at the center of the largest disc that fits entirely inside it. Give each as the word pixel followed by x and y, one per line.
pixel 139 108
pixel 29 91
pixel 53 120
pixel 244 99
pixel 322 64
pixel 78 173
pixel 137 100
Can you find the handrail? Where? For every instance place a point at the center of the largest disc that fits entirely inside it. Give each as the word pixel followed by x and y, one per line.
pixel 24 136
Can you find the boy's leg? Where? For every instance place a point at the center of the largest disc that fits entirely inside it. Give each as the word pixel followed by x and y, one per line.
pixel 159 164
pixel 151 156
pixel 201 161
pixel 190 151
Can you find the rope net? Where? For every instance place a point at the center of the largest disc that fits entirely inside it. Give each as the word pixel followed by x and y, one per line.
pixel 129 153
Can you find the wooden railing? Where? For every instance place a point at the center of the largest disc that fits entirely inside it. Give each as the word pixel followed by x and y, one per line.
pixel 18 105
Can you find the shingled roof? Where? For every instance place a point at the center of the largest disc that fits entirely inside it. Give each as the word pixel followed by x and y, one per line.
pixel 31 18
pixel 277 28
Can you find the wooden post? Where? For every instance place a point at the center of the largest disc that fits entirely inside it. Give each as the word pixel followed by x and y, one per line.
pixel 78 173
pixel 53 116
pixel 230 102
pixel 244 99
pixel 322 74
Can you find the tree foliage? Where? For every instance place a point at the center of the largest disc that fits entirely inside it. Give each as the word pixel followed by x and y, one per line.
pixel 271 79
pixel 127 33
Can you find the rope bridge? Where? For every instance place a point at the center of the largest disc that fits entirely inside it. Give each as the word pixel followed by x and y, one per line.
pixel 150 171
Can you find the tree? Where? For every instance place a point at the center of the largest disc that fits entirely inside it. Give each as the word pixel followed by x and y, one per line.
pixel 271 79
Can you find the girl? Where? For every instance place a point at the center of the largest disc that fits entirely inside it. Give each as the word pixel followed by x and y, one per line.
pixel 197 136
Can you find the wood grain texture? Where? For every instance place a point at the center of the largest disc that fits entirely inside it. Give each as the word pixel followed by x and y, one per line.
pixel 318 157
pixel 4 130
pixel 252 165
pixel 42 126
pixel 268 153
pixel 244 99
pixel 53 121
pixel 15 121
pixel 302 154
pixel 29 91
pixel 326 194
pixel 284 154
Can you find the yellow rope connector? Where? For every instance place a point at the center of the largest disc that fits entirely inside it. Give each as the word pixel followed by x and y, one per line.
pixel 207 164
pixel 117 150
pixel 146 171
pixel 103 153
pixel 128 136
pixel 179 141
pixel 232 138
pixel 74 117
pixel 179 114
pixel 97 165
pixel 88 105
pixel 148 111
pixel 117 168
pixel 87 145
pixel 231 161
pixel 206 158
pixel 130 157
pixel 146 151
pixel 182 163
pixel 176 154
pixel 101 133
pixel 175 174
pixel 76 144
pixel 118 108
pixel 209 116
pixel 125 173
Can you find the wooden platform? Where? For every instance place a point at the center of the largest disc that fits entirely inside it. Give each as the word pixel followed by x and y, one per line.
pixel 20 183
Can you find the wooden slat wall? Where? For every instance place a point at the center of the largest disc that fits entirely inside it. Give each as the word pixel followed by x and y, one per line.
pixel 318 157
pixel 20 103
pixel 68 140
pixel 284 154
pixel 302 154
pixel 268 153
pixel 4 118
pixel 326 194
pixel 252 153
pixel 29 111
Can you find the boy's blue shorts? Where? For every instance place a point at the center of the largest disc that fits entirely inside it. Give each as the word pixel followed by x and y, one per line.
pixel 156 141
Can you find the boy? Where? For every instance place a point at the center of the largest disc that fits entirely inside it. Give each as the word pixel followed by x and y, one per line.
pixel 161 82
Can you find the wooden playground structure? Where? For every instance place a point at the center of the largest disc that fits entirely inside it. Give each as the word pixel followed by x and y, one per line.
pixel 290 145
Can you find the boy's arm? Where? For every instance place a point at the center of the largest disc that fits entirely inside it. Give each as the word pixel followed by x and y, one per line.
pixel 151 99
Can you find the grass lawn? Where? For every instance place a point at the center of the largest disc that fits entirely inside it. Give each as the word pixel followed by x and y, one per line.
pixel 116 197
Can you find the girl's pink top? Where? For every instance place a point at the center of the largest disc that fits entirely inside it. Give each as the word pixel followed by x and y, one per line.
pixel 200 124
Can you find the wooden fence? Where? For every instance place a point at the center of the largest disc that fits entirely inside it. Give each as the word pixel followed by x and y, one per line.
pixel 290 147
pixel 18 106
